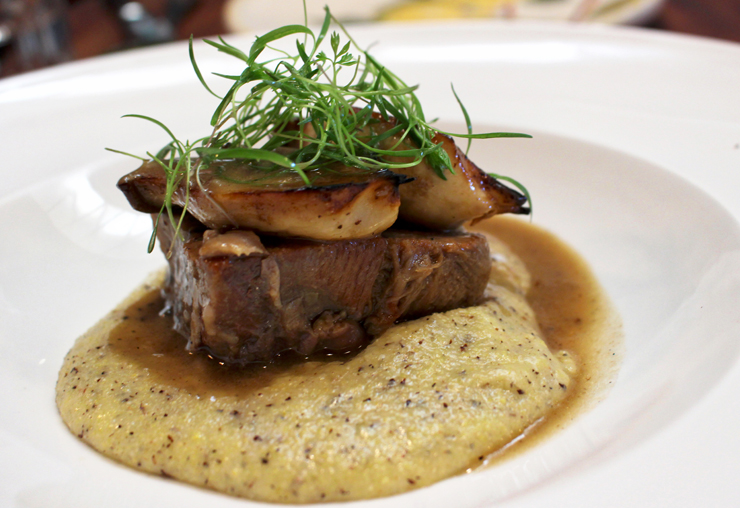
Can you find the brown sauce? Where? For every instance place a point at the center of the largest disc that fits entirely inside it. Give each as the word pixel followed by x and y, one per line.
pixel 572 310
pixel 574 314
pixel 146 337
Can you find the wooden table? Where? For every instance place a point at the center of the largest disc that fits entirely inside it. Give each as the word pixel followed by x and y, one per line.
pixel 94 29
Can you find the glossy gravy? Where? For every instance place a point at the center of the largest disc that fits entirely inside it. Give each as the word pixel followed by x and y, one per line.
pixel 573 313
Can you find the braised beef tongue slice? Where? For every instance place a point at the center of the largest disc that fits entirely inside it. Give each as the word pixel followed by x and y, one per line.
pixel 425 273
pixel 246 299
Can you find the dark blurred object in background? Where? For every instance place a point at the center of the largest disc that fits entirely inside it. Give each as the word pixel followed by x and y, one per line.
pixel 97 26
pixel 33 34
pixel 86 28
pixel 143 28
pixel 709 18
pixel 102 26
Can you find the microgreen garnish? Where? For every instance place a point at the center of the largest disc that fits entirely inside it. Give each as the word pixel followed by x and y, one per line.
pixel 306 111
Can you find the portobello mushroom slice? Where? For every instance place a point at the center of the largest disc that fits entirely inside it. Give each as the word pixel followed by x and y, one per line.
pixel 341 203
pixel 443 204
pixel 468 194
pixel 465 194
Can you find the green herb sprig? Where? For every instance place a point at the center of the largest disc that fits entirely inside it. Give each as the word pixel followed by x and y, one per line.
pixel 309 110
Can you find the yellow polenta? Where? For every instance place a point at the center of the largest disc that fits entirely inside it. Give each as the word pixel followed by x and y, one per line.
pixel 427 400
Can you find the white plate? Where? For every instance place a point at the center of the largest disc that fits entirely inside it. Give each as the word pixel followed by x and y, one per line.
pixel 248 15
pixel 634 132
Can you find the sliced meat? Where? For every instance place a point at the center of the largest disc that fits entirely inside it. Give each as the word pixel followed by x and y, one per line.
pixel 246 299
pixel 341 203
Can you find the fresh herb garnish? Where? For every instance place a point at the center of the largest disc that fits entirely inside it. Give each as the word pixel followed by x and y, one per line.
pixel 306 111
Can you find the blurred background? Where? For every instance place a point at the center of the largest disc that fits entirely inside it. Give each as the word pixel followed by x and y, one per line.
pixel 39 33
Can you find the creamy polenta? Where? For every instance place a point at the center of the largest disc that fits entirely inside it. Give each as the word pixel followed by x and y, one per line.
pixel 427 400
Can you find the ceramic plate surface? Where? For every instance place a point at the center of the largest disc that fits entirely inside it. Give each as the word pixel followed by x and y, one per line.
pixel 635 162
pixel 248 15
